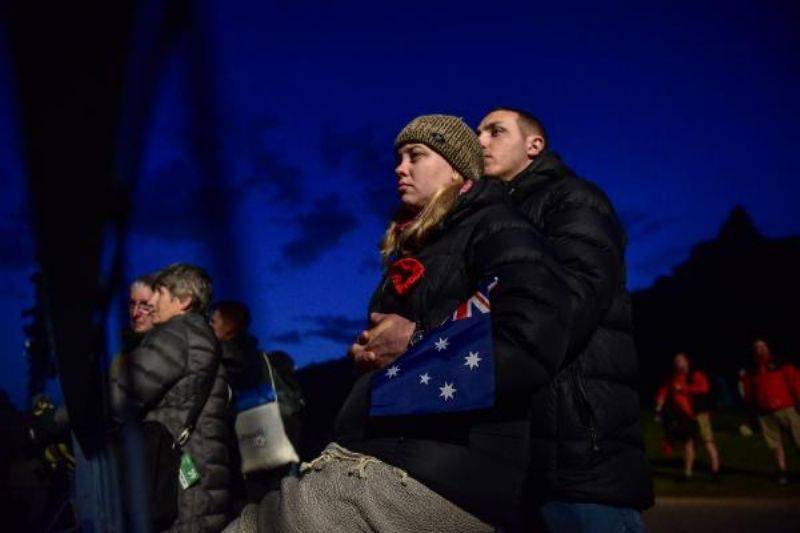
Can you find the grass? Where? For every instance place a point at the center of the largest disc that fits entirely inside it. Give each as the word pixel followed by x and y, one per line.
pixel 748 466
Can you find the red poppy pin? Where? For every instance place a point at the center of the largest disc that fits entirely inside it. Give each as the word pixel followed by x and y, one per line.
pixel 405 273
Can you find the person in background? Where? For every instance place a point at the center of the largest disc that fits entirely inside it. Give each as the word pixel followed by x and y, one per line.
pixel 94 473
pixel 684 425
pixel 140 311
pixel 703 402
pixel 773 390
pixel 175 364
pixel 140 319
pixel 230 322
pixel 247 369
pixel 241 355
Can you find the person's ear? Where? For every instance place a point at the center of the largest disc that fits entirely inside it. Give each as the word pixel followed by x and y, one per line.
pixel 534 145
pixel 185 302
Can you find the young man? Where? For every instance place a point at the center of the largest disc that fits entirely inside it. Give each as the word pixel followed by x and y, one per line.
pixel 588 465
pixel 774 391
pixel 166 374
pixel 683 393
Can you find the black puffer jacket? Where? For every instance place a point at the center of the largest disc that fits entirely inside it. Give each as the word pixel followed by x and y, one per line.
pixel 586 436
pixel 160 382
pixel 477 460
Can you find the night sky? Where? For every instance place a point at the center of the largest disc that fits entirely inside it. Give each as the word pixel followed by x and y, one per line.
pixel 679 112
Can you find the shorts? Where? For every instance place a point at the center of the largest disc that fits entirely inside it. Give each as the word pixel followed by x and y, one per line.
pixel 771 425
pixel 704 428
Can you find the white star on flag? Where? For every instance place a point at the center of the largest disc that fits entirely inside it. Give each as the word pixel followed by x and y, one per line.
pixel 447 391
pixel 393 371
pixel 441 344
pixel 472 360
pixel 424 378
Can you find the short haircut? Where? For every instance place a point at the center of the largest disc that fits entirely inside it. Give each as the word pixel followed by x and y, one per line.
pixel 528 123
pixel 146 280
pixel 187 281
pixel 233 312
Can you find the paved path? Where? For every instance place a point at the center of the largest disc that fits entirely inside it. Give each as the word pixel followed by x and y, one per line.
pixel 727 515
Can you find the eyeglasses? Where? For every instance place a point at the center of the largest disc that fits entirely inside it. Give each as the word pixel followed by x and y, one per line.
pixel 143 306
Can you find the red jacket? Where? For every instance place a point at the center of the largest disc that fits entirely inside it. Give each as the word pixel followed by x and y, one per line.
pixel 679 390
pixel 771 388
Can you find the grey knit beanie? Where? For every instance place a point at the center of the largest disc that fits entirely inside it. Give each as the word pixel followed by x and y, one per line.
pixel 450 137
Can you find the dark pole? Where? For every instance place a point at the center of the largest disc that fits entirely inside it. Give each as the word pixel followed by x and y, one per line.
pixel 69 62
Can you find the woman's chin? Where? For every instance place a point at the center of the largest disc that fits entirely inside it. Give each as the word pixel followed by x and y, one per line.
pixel 410 203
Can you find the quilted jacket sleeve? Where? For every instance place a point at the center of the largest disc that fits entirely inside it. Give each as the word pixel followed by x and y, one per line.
pixel 588 242
pixel 150 371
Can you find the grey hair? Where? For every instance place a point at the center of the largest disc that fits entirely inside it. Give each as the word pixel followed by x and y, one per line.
pixel 146 280
pixel 187 281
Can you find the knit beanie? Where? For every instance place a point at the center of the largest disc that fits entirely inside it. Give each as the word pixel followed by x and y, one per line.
pixel 450 137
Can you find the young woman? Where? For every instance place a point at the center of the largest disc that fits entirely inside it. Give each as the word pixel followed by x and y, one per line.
pixel 456 470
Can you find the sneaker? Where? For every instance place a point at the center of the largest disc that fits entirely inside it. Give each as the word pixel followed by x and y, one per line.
pixel 783 480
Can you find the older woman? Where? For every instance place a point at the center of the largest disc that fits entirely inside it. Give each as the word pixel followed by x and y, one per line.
pixel 445 466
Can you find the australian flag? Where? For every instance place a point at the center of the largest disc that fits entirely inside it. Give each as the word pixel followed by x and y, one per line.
pixel 451 369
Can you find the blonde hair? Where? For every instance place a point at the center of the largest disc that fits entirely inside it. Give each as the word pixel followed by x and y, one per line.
pixel 399 242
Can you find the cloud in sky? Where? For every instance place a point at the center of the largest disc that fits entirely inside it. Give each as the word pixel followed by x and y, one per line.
pixel 287 337
pixel 641 224
pixel 337 328
pixel 319 230
pixel 371 163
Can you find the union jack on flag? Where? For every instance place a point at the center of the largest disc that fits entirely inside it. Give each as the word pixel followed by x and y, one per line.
pixel 450 370
pixel 479 301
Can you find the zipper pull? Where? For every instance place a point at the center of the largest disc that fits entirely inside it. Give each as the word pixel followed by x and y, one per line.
pixel 593 437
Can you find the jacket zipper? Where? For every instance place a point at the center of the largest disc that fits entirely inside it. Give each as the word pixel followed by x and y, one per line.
pixel 587 409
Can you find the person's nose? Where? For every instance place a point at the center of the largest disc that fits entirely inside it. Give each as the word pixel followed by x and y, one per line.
pixel 401 170
pixel 482 139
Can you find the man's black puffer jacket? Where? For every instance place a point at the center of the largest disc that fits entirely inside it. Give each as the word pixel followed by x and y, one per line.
pixel 585 427
pixel 477 460
pixel 160 381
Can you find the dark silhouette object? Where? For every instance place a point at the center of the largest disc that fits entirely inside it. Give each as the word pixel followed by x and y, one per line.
pixel 69 67
pixel 34 468
pixel 731 290
pixel 325 387
pixel 38 345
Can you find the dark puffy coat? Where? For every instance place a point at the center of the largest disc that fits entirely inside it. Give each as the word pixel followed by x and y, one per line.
pixel 477 460
pixel 585 429
pixel 160 382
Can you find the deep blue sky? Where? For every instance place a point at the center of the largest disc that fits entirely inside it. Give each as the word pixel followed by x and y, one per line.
pixel 679 112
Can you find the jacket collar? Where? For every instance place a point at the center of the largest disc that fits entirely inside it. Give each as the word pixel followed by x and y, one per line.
pixel 548 166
